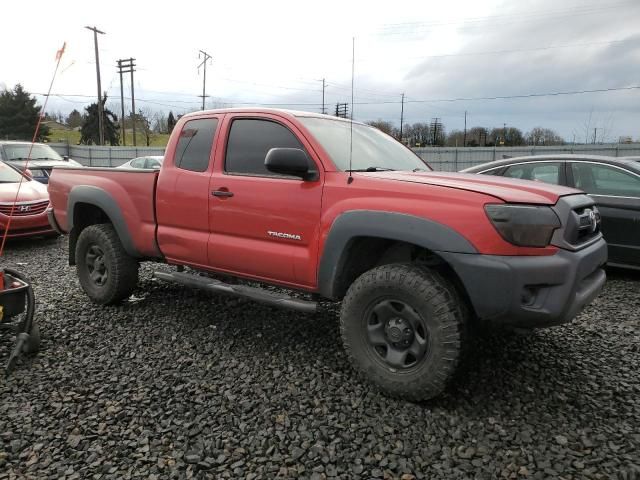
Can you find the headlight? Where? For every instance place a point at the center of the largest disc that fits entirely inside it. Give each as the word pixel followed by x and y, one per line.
pixel 523 225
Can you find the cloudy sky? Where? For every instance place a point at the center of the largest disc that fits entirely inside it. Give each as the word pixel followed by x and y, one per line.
pixel 446 57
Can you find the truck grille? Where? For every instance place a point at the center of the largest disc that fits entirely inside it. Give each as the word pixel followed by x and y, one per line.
pixel 580 222
pixel 23 209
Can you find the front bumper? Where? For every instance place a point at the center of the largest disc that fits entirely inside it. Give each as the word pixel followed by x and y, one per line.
pixel 26 226
pixel 531 292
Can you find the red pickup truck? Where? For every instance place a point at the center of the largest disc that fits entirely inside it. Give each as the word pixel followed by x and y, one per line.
pixel 340 211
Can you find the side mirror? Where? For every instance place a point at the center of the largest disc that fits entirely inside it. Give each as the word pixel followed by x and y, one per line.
pixel 290 161
pixel 65 158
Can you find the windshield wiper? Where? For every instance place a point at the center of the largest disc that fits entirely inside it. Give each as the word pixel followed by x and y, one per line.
pixel 372 169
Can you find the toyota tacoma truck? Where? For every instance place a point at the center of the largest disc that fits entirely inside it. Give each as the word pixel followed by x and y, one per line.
pixel 337 210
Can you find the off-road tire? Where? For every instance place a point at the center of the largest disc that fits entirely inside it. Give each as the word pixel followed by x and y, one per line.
pixel 121 269
pixel 437 305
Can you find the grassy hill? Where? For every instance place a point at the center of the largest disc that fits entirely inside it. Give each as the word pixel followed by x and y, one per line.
pixel 61 135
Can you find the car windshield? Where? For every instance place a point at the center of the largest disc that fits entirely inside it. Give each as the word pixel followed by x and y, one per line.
pixel 8 174
pixel 372 149
pixel 20 151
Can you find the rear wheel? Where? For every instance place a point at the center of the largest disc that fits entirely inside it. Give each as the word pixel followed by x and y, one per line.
pixel 107 273
pixel 401 326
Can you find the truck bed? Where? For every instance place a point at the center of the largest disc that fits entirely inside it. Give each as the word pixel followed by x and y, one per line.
pixel 131 191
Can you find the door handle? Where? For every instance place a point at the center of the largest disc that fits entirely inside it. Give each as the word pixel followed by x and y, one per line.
pixel 222 193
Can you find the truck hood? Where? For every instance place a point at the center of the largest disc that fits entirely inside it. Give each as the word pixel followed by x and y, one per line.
pixel 29 191
pixel 507 189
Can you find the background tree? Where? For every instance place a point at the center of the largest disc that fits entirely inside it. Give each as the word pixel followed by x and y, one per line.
pixel 19 115
pixel 74 119
pixel 143 123
pixel 384 126
pixel 171 122
pixel 90 133
pixel 544 136
pixel 160 123
pixel 477 137
pixel 508 137
pixel 455 138
pixel 417 135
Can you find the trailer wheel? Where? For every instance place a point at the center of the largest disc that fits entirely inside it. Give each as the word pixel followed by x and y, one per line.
pixel 106 272
pixel 401 327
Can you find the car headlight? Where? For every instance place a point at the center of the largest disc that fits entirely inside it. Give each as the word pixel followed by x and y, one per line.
pixel 523 225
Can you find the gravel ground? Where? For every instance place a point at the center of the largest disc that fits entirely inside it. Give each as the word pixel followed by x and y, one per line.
pixel 178 384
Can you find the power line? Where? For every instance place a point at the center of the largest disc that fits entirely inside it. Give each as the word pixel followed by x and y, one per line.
pixel 435 100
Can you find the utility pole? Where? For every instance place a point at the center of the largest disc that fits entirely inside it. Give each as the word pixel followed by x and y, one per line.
pixel 401 116
pixel 100 112
pixel 595 130
pixel 464 143
pixel 324 110
pixel 203 64
pixel 126 66
pixel 504 134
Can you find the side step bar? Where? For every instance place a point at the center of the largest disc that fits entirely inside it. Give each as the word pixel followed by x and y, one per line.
pixel 258 294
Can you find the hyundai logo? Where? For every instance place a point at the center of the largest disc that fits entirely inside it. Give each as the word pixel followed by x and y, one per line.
pixel 25 208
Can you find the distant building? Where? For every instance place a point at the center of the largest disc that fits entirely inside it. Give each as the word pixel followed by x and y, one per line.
pixel 625 140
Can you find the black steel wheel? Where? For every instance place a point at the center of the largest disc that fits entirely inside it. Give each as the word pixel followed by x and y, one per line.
pixel 96 266
pixel 106 272
pixel 401 327
pixel 397 333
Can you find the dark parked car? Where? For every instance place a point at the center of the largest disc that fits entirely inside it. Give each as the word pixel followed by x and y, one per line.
pixel 614 183
pixel 43 158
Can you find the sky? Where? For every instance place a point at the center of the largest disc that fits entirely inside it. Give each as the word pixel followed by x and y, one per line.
pixel 446 57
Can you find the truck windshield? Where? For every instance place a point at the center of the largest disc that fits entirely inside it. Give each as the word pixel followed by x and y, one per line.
pixel 372 149
pixel 20 151
pixel 8 174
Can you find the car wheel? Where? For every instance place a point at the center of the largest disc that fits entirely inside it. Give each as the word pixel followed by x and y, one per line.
pixel 401 327
pixel 106 272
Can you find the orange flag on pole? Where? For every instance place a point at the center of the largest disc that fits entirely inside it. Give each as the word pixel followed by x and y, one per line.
pixel 60 52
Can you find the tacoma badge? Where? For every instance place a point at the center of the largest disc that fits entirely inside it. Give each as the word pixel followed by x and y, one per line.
pixel 290 236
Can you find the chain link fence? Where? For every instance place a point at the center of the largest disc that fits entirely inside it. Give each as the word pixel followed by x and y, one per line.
pixel 95 156
pixel 448 159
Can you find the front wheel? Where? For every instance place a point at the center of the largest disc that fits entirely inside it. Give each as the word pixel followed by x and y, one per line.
pixel 401 326
pixel 106 272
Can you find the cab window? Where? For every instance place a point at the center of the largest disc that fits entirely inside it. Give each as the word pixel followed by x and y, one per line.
pixel 250 140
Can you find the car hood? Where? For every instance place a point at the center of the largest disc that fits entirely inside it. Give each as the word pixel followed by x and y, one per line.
pixel 29 191
pixel 507 189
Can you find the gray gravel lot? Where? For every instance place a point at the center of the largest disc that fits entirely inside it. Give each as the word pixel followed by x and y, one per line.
pixel 179 384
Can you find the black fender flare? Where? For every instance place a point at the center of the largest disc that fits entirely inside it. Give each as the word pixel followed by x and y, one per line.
pixel 402 227
pixel 99 198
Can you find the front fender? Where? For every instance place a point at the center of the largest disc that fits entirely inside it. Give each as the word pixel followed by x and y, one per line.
pixel 401 227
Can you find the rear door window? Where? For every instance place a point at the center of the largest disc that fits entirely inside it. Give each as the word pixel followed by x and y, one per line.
pixel 194 144
pixel 599 179
pixel 547 172
pixel 138 162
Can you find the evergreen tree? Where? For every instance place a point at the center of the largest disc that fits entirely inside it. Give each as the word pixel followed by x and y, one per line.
pixel 19 115
pixel 74 119
pixel 90 131
pixel 171 122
